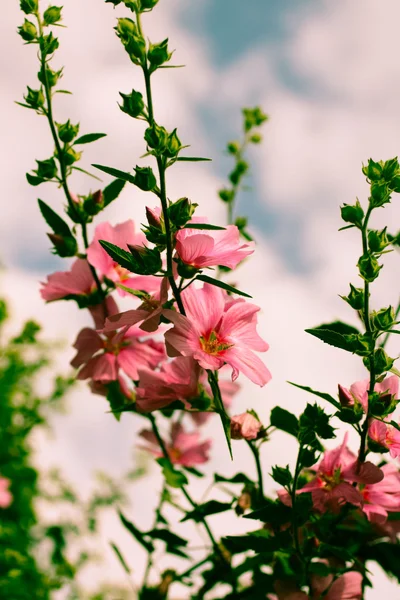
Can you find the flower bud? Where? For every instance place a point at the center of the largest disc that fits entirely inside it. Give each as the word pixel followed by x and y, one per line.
pixel 133 104
pixel 156 138
pixel 226 195
pixel 380 194
pixel 186 271
pixel 356 298
pixel 71 156
pixel 52 15
pixel 381 405
pixel 145 178
pixel 241 223
pixel 28 31
pixel 390 169
pixel 49 76
pixel 146 5
pixel 253 117
pixel 373 170
pixel 180 212
pixel 353 214
pixel 153 218
pixel 64 246
pixel 67 132
pixel 94 203
pixel 369 267
pixel 146 261
pixel 382 361
pixel 384 319
pixel 35 98
pixel 46 169
pixel 29 7
pixel 395 184
pixel 243 503
pixel 241 167
pixel 173 145
pixel 158 54
pixel 245 427
pixel 351 414
pixel 233 147
pixel 125 29
pixel 377 240
pixel 136 48
pixel 256 138
pixel 50 44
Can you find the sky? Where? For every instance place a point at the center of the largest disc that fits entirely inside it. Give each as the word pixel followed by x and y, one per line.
pixel 327 75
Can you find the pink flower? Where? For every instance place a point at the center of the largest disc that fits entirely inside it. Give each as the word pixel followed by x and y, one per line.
pixel 183 448
pixel 216 331
pixel 148 313
pixel 101 357
pixel 385 435
pixel 76 282
pixel 245 427
pixel 5 494
pixel 339 468
pixel 212 248
pixel 346 587
pixel 358 391
pixel 176 380
pixel 121 235
pixel 384 496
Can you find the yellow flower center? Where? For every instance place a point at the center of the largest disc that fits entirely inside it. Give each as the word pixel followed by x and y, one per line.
pixel 213 345
pixel 123 273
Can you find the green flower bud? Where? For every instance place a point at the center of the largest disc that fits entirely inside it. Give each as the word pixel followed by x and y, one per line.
pixel 390 169
pixel 158 53
pixel 373 170
pixel 256 138
pixel 233 147
pixel 50 44
pixel 381 404
pixel 133 104
pixel 94 203
pixel 395 184
pixel 28 31
pixel 352 414
pixel 146 261
pixel 71 156
pixel 145 179
pixel 384 319
pixel 115 2
pixel 67 132
pixel 355 298
pixel 147 4
pixel 180 212
pixel 186 271
pixel 173 145
pixel 226 195
pixel 241 222
pixel 49 76
pixel 382 361
pixel 380 194
pixel 369 267
pixel 363 344
pixel 29 7
pixel 353 214
pixel 126 28
pixel 136 48
pixel 35 98
pixel 132 4
pixel 253 117
pixel 377 240
pixel 52 15
pixel 63 245
pixel 46 169
pixel 156 138
pixel 241 168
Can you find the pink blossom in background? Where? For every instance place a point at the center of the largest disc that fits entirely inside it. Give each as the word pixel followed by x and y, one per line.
pixel 216 331
pixel 176 380
pixel 339 468
pixel 245 427
pixel 201 249
pixel 384 496
pixel 5 494
pixel 358 391
pixel 183 448
pixel 101 358
pixel 346 587
pixel 121 235
pixel 76 282
pixel 385 435
pixel 148 313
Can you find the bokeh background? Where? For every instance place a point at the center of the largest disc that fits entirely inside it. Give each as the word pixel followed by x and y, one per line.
pixel 327 74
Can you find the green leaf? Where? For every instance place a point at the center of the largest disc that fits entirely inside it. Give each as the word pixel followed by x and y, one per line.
pixel 282 475
pixel 193 159
pixel 74 168
pixel 56 223
pixel 112 191
pixel 165 535
pixel 137 293
pixel 33 180
pixel 212 507
pixel 175 479
pixel 276 513
pixel 137 534
pixel 322 395
pixel 238 478
pixel 284 420
pixel 314 421
pixel 120 558
pixel 63 92
pixel 116 173
pixel 192 470
pixel 89 138
pixel 336 334
pixel 120 256
pixel 204 226
pixel 258 541
pixel 319 568
pixel 221 284
pixel 116 399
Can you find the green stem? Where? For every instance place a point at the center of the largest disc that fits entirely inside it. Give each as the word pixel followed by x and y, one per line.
pixel 294 500
pixel 155 523
pixel 256 453
pixel 193 568
pixel 236 186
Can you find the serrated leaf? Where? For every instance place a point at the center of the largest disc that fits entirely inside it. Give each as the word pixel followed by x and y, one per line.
pixel 89 138
pixel 222 284
pixel 211 507
pixel 284 420
pixel 115 173
pixel 315 421
pixel 55 222
pixel 137 534
pixel 120 256
pixel 112 191
pixel 193 159
pixel 322 395
pixel 335 334
pixel 204 226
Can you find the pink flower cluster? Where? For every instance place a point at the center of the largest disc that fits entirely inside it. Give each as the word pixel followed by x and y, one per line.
pixel 346 587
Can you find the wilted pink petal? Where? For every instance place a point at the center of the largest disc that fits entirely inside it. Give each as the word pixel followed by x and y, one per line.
pixel 245 427
pixel 76 282
pixel 183 448
pixel 384 496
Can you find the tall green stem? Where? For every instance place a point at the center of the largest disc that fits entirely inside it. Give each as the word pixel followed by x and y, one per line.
pixel 256 453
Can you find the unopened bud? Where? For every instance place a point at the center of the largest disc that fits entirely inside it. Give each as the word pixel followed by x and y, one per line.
pixel 353 214
pixel 153 217
pixel 180 212
pixel 133 103
pixel 94 203
pixel 52 15
pixel 71 156
pixel 146 261
pixel 64 246
pixel 226 195
pixel 380 194
pixel 241 168
pixel 29 6
pixel 49 77
pixel 390 169
pixel 173 145
pixel 156 138
pixel 35 98
pixel 377 240
pixel 382 361
pixel 158 54
pixel 384 319
pixel 67 132
pixel 46 169
pixel 28 31
pixel 356 298
pixel 145 179
pixel 125 29
pixel 373 170
pixel 146 5
pixel 186 271
pixel 369 267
